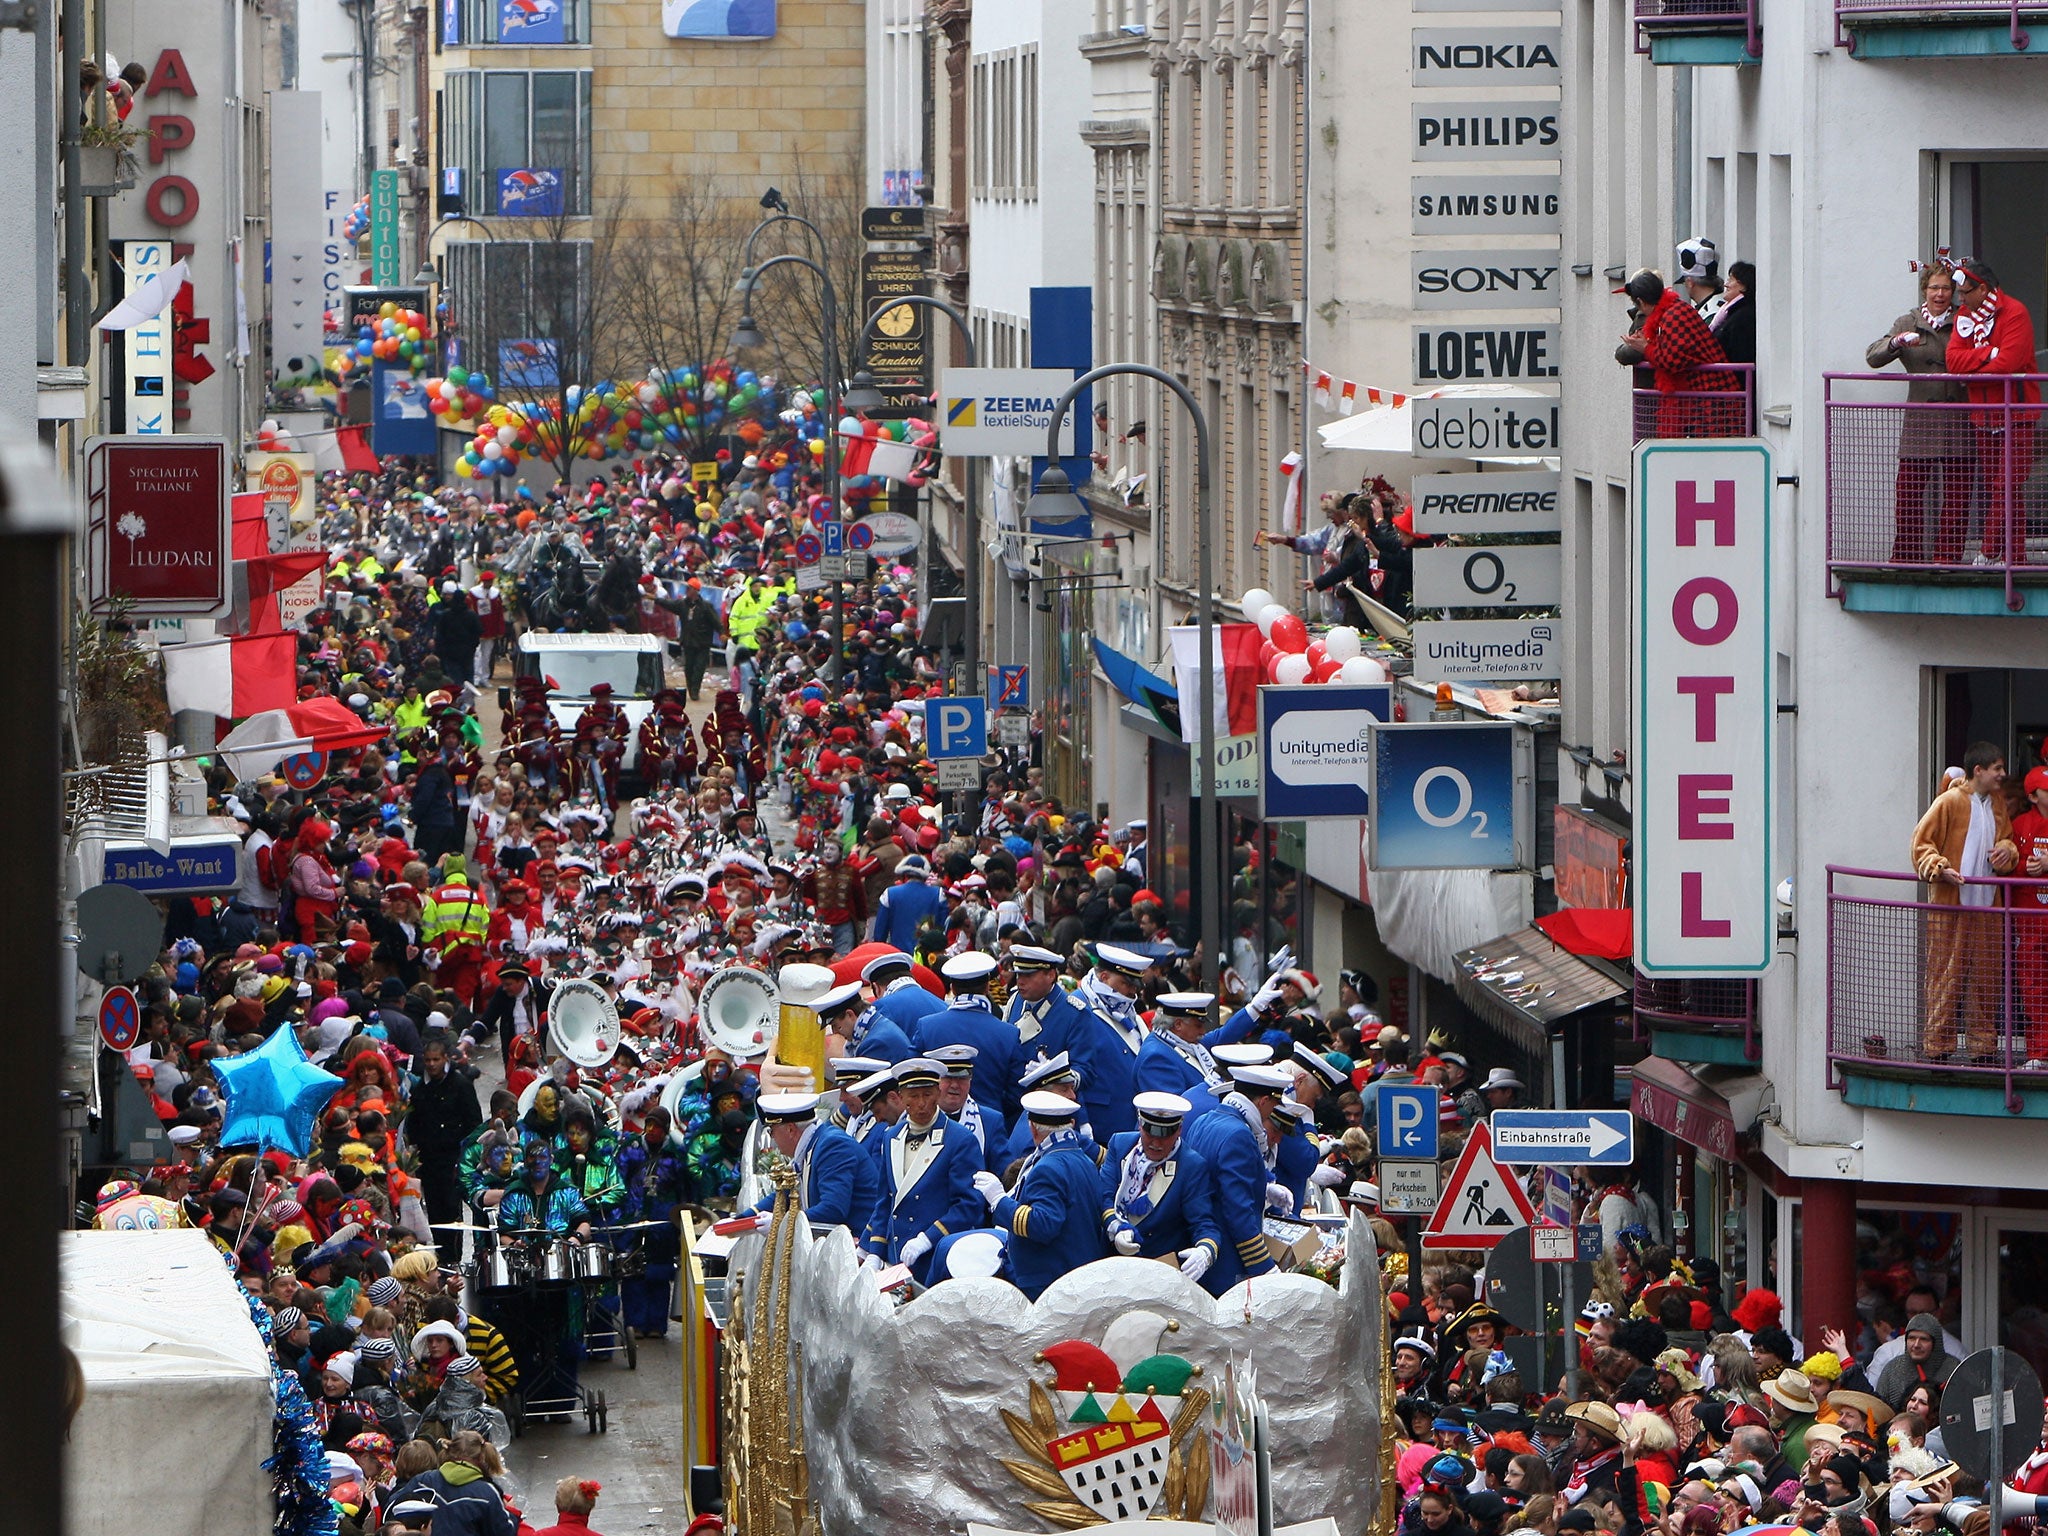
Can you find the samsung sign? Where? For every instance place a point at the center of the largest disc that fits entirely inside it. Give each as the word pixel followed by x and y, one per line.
pixel 1484 130
pixel 1487 56
pixel 1485 205
pixel 1485 279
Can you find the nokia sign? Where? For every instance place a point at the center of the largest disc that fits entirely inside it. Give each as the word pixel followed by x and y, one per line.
pixel 1488 56
pixel 1485 279
pixel 1485 130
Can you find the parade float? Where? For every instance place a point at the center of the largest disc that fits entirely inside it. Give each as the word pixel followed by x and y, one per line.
pixel 1122 1395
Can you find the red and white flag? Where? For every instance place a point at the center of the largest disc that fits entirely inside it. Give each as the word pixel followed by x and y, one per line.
pixel 232 677
pixel 1323 389
pixel 1235 703
pixel 1290 509
pixel 1347 400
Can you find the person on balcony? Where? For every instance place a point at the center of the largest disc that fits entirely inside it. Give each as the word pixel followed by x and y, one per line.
pixel 1734 324
pixel 1674 342
pixel 1960 844
pixel 1994 335
pixel 1934 443
pixel 2030 930
pixel 1699 276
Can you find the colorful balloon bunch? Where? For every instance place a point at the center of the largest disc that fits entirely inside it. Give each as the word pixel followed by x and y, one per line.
pixel 868 464
pixel 690 404
pixel 1290 656
pixel 356 222
pixel 396 335
pixel 462 395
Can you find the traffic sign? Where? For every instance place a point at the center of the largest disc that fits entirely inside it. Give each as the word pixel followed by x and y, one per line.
pixel 1408 1120
pixel 832 567
pixel 1408 1188
pixel 1984 1448
pixel 1443 796
pixel 120 1019
pixel 1554 1245
pixel 958 773
pixel 1482 1203
pixel 1600 1138
pixel 809 549
pixel 704 473
pixel 302 770
pixel 1013 729
pixel 889 533
pixel 1009 687
pixel 956 726
pixel 835 537
pixel 859 536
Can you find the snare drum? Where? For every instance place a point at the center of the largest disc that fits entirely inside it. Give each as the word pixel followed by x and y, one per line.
pixel 501 1268
pixel 554 1261
pixel 593 1262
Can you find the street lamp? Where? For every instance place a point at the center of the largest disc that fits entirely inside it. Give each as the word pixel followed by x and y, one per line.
pixel 863 395
pixel 1055 499
pixel 749 336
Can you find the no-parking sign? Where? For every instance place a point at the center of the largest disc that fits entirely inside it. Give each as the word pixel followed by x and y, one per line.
pixel 302 770
pixel 120 1019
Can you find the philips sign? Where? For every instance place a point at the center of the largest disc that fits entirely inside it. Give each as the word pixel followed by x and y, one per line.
pixel 1485 130
pixel 1495 56
pixel 985 412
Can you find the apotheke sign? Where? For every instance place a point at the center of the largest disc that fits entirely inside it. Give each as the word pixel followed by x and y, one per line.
pixel 1494 279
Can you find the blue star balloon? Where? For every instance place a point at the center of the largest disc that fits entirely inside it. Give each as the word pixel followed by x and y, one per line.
pixel 273 1095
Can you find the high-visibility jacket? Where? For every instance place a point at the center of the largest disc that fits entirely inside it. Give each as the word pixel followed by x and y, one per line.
pixel 748 614
pixel 454 914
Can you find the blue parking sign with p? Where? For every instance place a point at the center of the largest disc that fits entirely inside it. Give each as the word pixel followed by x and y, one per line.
pixel 1407 1118
pixel 956 727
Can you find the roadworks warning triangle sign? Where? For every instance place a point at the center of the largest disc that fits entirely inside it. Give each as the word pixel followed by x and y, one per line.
pixel 1482 1201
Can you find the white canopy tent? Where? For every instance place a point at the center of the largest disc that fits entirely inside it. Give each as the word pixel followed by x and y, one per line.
pixel 1390 429
pixel 178 1412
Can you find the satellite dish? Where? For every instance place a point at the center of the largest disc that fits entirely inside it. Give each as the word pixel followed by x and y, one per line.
pixel 120 933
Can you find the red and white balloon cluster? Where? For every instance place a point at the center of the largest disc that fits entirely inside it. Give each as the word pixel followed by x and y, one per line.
pixel 1291 656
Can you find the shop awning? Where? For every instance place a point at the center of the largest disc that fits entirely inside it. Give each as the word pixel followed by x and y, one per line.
pixel 1599 932
pixel 1709 1109
pixel 1141 685
pixel 1522 981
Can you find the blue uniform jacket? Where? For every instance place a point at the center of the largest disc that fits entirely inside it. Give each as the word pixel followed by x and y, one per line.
pixel 1062 1022
pixel 1020 1142
pixel 1237 1196
pixel 837 1181
pixel 995 1132
pixel 1054 1219
pixel 1180 1216
pixel 942 1200
pixel 907 1004
pixel 1162 1069
pixel 1293 1161
pixel 995 1064
pixel 880 1037
pixel 904 908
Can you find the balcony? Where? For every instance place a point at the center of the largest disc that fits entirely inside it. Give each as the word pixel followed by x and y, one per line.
pixel 1931 1007
pixel 1729 411
pixel 1934 506
pixel 1699 31
pixel 1699 1019
pixel 1935 29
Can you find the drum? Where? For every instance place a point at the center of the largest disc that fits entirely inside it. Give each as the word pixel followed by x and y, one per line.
pixel 501 1268
pixel 554 1261
pixel 593 1262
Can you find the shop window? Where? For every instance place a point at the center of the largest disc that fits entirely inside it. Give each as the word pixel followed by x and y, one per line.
pixel 1897 1250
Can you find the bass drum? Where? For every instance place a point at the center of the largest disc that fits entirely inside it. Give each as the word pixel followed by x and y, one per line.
pixel 583 1022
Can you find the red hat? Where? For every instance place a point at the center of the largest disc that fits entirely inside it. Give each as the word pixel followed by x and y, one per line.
pixel 1405 521
pixel 1759 1308
pixel 2037 778
pixel 357 953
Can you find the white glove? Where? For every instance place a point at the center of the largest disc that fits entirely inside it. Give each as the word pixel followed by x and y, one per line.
pixel 1280 1198
pixel 1326 1177
pixel 1263 1000
pixel 989 1187
pixel 1195 1262
pixel 1125 1241
pixel 1284 961
pixel 914 1250
pixel 871 1262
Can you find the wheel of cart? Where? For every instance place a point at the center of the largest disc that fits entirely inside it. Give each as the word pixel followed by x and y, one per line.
pixel 600 1268
pixel 596 1413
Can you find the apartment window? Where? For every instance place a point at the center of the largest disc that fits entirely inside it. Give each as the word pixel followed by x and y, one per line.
pixel 522 309
pixel 524 138
pixel 1027 124
pixel 981 127
pixel 526 23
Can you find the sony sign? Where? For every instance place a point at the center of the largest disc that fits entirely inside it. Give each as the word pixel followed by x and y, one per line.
pixel 1485 279
pixel 1486 56
pixel 1485 205
pixel 1484 130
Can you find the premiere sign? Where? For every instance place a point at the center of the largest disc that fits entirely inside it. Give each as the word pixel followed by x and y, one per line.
pixel 157 526
pixel 1703 709
pixel 1513 501
pixel 1484 130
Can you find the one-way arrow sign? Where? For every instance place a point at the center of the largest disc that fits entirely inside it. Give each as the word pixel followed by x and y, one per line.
pixel 1602 1137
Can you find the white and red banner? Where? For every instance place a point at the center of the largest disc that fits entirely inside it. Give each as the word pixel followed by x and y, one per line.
pixel 232 677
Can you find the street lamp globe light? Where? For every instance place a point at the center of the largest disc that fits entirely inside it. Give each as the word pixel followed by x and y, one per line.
pixel 748 336
pixel 862 395
pixel 1054 501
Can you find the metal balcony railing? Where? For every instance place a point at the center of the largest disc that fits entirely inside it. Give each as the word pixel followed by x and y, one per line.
pixel 1669 16
pixel 1700 1005
pixel 1851 13
pixel 1937 992
pixel 1935 488
pixel 1727 410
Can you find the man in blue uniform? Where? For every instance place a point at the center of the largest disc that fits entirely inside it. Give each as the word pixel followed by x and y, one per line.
pixel 907 905
pixel 1295 1158
pixel 881 1109
pixel 836 1181
pixel 1049 1074
pixel 968 1020
pixel 844 1072
pixel 897 991
pixel 927 1168
pixel 1232 1139
pixel 956 1098
pixel 1055 1218
pixel 865 1028
pixel 1117 1034
pixel 1045 1014
pixel 1155 1192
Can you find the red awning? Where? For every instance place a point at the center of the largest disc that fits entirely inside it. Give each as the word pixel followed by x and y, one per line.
pixel 1673 1100
pixel 1604 933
